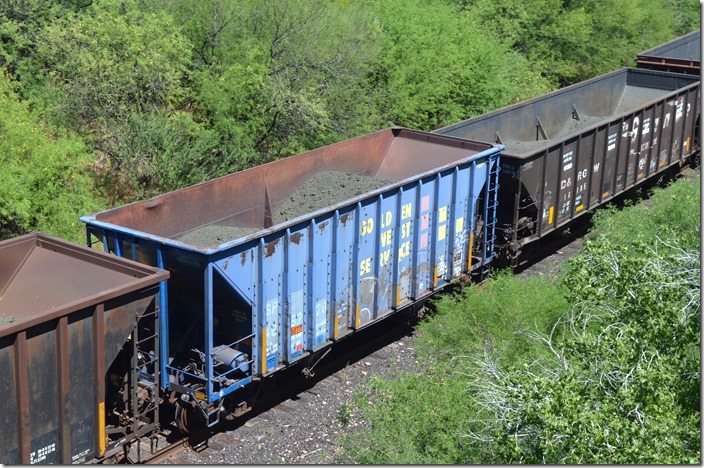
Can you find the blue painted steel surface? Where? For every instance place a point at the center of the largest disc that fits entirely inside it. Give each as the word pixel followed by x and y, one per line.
pixel 292 289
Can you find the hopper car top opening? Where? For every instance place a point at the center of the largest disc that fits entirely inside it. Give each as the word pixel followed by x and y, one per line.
pixel 246 199
pixel 548 120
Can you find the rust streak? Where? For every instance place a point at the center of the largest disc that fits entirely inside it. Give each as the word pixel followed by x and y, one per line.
pixel 270 247
pixel 296 237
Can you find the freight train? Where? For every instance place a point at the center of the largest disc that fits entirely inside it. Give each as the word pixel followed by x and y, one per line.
pixel 202 294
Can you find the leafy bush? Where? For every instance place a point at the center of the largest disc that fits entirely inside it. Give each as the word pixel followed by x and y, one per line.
pixel 668 214
pixel 423 419
pixel 488 317
pixel 112 59
pixel 44 184
pixel 439 65
pixel 572 41
pixel 623 382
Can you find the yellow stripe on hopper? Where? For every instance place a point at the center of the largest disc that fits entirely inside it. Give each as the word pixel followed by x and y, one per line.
pixel 356 317
pixel 552 210
pixel 101 428
pixel 469 255
pixel 337 324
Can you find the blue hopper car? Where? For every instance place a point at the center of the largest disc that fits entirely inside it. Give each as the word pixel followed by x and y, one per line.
pixel 253 291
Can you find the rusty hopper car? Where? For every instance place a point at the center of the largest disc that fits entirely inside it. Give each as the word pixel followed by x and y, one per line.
pixel 74 324
pixel 267 292
pixel 681 55
pixel 576 148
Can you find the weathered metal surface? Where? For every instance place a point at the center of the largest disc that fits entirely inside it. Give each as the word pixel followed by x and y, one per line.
pixel 68 302
pixel 681 55
pixel 576 148
pixel 285 291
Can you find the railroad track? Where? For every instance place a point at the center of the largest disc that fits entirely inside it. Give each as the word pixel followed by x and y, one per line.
pixel 167 452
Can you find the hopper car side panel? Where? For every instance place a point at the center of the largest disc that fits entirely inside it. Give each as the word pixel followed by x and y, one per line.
pixel 587 170
pixel 317 282
pixel 72 310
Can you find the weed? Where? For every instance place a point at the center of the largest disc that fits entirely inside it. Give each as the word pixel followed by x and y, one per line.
pixel 344 415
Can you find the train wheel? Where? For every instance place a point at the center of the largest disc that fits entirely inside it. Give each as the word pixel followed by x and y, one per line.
pixel 188 419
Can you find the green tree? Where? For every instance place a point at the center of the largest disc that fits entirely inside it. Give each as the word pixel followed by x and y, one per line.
pixel 44 179
pixel 571 41
pixel 275 79
pixel 440 65
pixel 110 67
pixel 112 59
pixel 21 23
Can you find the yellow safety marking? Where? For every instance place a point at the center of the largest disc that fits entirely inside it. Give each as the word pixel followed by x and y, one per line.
pixel 442 232
pixel 199 396
pixel 263 350
pixel 605 194
pixel 640 175
pixel 579 208
pixel 687 145
pixel 334 332
pixel 469 254
pixel 661 164
pixel 356 318
pixel 459 225
pixel 435 277
pixel 552 210
pixel 442 215
pixel 398 294
pixel 101 427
